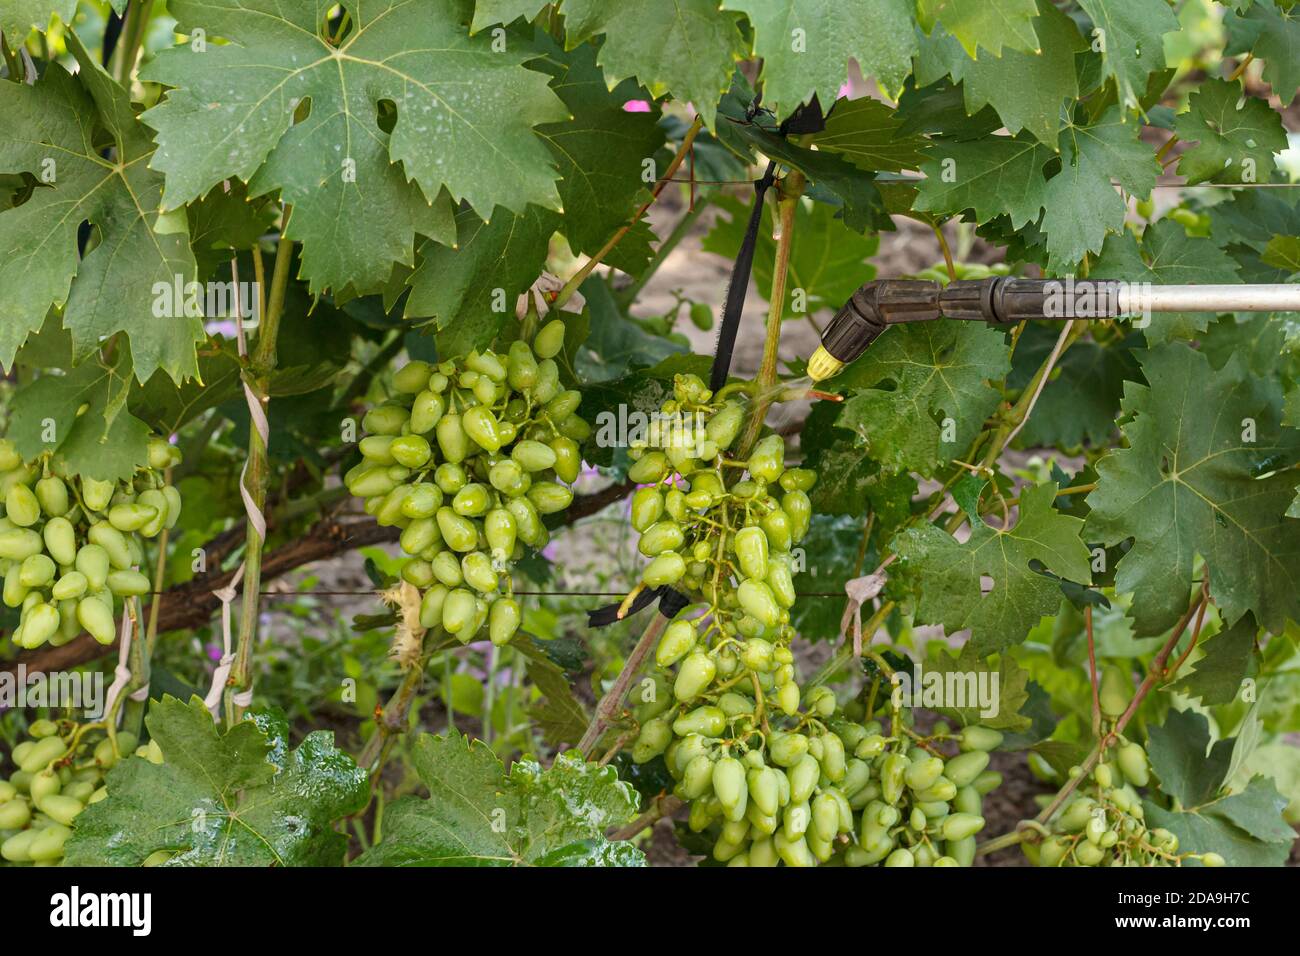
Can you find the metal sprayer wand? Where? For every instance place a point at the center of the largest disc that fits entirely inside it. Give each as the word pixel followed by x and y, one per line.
pixel 1004 300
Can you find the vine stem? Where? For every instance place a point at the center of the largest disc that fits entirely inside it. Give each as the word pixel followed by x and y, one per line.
pixel 1062 343
pixel 1092 673
pixel 570 287
pixel 947 252
pixel 845 653
pixel 1154 673
pixel 391 721
pixel 137 24
pixel 791 188
pixel 159 578
pixel 260 368
pixel 664 805
pixel 610 703
pixel 1015 418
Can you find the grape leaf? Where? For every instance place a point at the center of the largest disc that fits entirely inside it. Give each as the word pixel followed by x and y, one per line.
pixel 1245 828
pixel 559 714
pixel 1278 45
pixel 19 17
pixel 827 262
pixel 987 23
pixel 1028 90
pixel 831 549
pixel 860 202
pixel 1011 687
pixel 1130 38
pixel 615 343
pixel 50 134
pixel 600 151
pixel 1233 144
pixel 477 814
pixel 1279 762
pixel 488 12
pixel 951 572
pixel 688 50
pixel 359 194
pixel 994 176
pixel 1284 253
pixel 1081 402
pixel 912 379
pixel 1230 657
pixel 1191 483
pixel 233 798
pixel 1207 832
pixel 103 442
pixel 805 46
pixel 468 290
pixel 1080 204
pixel 224 221
pixel 1167 256
pixel 1261 340
pixel 848 479
pixel 866 132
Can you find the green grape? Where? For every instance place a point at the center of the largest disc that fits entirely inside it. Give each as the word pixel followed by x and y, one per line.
pixel 462 461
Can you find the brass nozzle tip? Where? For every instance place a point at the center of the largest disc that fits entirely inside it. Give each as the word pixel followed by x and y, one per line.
pixel 823 365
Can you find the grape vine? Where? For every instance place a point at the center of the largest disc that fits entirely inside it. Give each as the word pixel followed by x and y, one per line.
pixel 406 304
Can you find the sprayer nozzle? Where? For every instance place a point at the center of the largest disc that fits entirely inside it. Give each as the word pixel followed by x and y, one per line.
pixel 823 365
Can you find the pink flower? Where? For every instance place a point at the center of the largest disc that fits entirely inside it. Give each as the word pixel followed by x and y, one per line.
pixel 844 90
pixel 636 106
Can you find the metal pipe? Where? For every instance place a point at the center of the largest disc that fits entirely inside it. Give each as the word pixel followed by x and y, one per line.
pixel 1136 298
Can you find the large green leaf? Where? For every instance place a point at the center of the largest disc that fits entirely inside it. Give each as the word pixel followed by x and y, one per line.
pixel 687 49
pixel 19 17
pixel 488 12
pixel 1167 256
pixel 991 24
pixel 233 798
pixel 1081 401
pixel 81 417
pixel 1245 828
pixel 921 393
pixel 1228 659
pixel 867 133
pixel 1234 143
pixel 1080 204
pixel 477 814
pixel 1205 472
pixel 859 201
pixel 948 574
pixel 806 45
pixel 827 261
pixel 464 118
pixel 1011 685
pixel 1277 28
pixel 848 479
pixel 1028 89
pixel 469 290
pixel 600 151
pixel 50 133
pixel 615 344
pixel 1130 40
pixel 993 176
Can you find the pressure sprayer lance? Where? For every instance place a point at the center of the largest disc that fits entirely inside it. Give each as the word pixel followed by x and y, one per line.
pixel 1003 300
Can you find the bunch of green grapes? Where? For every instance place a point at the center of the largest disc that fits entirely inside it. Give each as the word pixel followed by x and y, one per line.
pixel 61 771
pixel 466 460
pixel 71 546
pixel 772 774
pixel 1103 824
